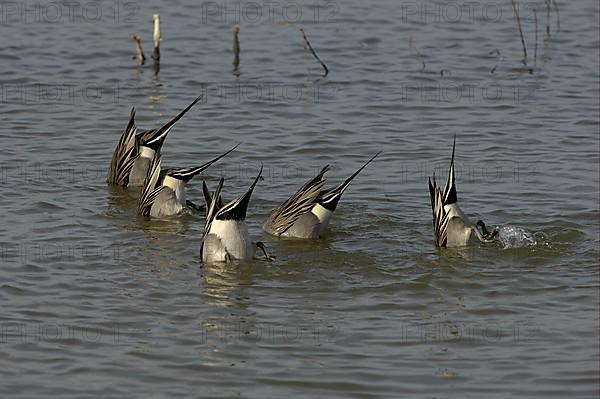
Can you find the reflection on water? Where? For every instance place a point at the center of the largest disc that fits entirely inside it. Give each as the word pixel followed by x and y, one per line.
pixel 223 284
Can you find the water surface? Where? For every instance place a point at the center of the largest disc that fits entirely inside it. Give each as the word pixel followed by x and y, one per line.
pixel 96 302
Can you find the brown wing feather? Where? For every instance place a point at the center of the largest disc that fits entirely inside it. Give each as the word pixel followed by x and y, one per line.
pixel 151 188
pixel 298 204
pixel 440 218
pixel 213 208
pixel 208 198
pixel 124 155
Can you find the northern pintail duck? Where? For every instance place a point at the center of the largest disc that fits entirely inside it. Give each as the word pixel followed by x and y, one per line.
pixel 135 151
pixel 450 225
pixel 226 237
pixel 163 194
pixel 306 214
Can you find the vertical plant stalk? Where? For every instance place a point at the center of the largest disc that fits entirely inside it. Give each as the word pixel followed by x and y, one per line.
pixel 138 47
pixel 499 59
pixel 518 22
pixel 157 37
pixel 557 15
pixel 307 45
pixel 236 47
pixel 535 20
pixel 421 57
pixel 155 69
pixel 547 4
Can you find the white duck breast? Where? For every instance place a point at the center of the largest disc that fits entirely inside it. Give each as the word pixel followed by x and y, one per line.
pixel 178 186
pixel 213 250
pixel 140 167
pixel 460 230
pixel 453 210
pixel 166 204
pixel 459 234
pixel 171 199
pixel 234 237
pixel 146 152
pixel 324 216
pixel 306 226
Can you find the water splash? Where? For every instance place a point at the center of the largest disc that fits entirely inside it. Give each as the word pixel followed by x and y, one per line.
pixel 516 237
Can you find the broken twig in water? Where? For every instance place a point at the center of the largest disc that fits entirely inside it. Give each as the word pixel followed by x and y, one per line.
pixel 500 58
pixel 157 37
pixel 307 45
pixel 535 20
pixel 155 69
pixel 138 46
pixel 410 45
pixel 236 47
pixel 518 22
pixel 557 15
pixel 547 4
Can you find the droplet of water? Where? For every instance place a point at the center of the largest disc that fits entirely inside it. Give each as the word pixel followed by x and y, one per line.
pixel 515 237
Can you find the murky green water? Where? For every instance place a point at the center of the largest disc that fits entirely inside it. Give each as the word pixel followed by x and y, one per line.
pixel 98 303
